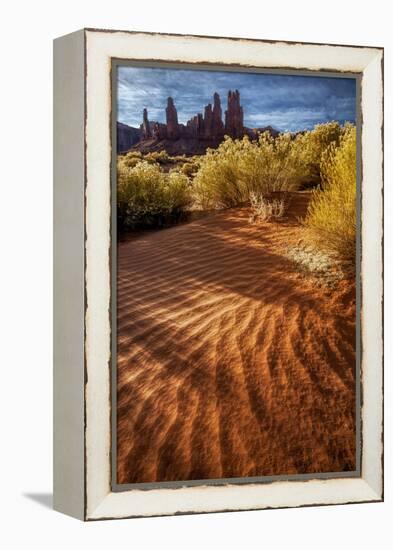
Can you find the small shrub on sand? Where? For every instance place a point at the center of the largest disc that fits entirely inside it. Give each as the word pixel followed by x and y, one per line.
pixel 147 197
pixel 263 209
pixel 331 216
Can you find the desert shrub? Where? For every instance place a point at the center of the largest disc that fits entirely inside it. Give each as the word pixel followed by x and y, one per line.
pixel 228 174
pixel 147 197
pixel 189 168
pixel 177 191
pixel 131 154
pixel 161 157
pixel 277 163
pixel 331 216
pixel 310 146
pixel 194 159
pixel 264 209
pixel 131 159
pixel 217 183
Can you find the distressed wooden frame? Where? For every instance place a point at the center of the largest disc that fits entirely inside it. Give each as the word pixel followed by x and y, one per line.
pixel 82 291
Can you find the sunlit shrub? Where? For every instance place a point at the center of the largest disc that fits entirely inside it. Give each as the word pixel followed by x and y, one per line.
pixel 217 183
pixel 277 163
pixel 131 159
pixel 147 197
pixel 161 157
pixel 310 146
pixel 228 174
pixel 331 217
pixel 189 168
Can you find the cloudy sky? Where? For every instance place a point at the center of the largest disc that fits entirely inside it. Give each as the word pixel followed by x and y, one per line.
pixel 288 103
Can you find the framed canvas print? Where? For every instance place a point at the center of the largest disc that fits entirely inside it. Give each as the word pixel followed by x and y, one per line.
pixel 218 274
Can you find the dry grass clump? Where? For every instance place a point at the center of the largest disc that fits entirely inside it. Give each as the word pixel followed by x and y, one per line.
pixel 331 216
pixel 264 209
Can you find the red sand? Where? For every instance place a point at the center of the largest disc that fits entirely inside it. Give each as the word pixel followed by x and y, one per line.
pixel 230 362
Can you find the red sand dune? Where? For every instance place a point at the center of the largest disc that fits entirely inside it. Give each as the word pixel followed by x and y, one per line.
pixel 230 362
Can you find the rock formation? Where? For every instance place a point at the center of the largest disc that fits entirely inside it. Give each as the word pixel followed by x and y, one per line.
pixel 127 136
pixel 208 121
pixel 145 126
pixel 171 120
pixel 234 116
pixel 218 126
pixel 202 131
pixel 207 126
pixel 195 127
pixel 160 130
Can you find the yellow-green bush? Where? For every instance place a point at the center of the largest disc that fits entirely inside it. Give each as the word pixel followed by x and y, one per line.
pixel 217 183
pixel 148 197
pixel 310 146
pixel 189 168
pixel 229 174
pixel 331 216
pixel 131 159
pixel 161 157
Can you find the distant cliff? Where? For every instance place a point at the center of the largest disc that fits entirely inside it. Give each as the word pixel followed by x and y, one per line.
pixel 127 136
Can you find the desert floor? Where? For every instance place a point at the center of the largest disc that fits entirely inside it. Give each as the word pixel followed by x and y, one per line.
pixel 231 362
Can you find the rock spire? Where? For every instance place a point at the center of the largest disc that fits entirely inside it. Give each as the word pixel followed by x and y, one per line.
pixel 207 126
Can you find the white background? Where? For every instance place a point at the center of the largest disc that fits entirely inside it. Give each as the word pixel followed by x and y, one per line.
pixel 27 29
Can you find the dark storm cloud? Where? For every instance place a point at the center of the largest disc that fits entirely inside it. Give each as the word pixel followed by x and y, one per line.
pixel 286 102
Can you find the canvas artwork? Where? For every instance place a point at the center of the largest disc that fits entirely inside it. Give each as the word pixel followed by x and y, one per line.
pixel 218 274
pixel 236 310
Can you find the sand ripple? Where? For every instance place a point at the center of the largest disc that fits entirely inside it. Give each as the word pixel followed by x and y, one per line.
pixel 231 363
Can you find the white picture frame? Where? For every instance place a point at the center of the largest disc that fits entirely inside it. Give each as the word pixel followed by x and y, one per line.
pixel 82 257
